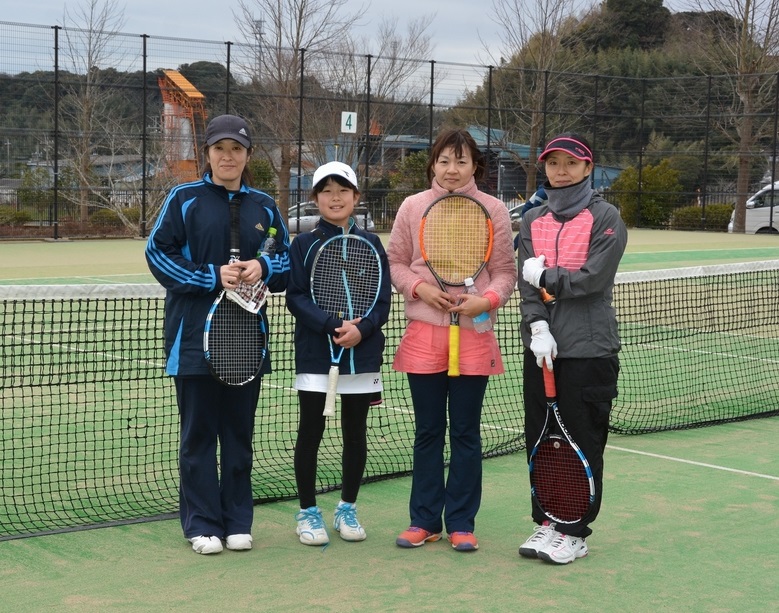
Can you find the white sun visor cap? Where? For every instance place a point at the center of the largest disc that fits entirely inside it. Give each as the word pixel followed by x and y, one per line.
pixel 338 169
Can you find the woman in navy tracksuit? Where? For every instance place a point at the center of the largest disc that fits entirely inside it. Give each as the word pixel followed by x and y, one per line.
pixel 336 194
pixel 188 253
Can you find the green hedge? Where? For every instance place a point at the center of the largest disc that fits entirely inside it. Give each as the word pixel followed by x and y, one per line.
pixel 689 217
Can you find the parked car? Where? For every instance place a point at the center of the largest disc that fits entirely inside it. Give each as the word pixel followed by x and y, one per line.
pixel 304 216
pixel 762 212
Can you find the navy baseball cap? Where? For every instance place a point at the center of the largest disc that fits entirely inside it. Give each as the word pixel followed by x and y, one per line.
pixel 228 126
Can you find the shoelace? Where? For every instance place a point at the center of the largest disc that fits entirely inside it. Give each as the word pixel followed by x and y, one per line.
pixel 313 519
pixel 540 532
pixel 558 540
pixel 348 515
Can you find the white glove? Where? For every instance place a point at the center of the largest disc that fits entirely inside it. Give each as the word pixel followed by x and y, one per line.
pixel 532 270
pixel 542 343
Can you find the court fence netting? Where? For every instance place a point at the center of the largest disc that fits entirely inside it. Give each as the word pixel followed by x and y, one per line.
pixel 89 423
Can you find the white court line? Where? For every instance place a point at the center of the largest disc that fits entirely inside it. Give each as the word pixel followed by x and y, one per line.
pixel 714 466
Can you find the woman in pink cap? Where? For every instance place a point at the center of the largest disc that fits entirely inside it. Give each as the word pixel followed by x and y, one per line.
pixel 570 246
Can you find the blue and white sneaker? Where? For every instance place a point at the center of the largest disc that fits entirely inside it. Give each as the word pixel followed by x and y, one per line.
pixel 311 527
pixel 346 524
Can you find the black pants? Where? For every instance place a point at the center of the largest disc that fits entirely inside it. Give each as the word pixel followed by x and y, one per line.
pixel 585 391
pixel 311 427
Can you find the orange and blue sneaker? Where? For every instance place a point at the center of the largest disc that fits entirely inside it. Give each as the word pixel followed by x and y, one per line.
pixel 463 541
pixel 416 537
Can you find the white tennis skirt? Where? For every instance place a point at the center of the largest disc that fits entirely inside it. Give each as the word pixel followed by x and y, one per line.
pixel 363 383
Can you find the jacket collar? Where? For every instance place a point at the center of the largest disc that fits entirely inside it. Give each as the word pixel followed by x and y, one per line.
pixel 469 189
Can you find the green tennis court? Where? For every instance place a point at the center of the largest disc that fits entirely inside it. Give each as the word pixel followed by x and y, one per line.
pixel 674 534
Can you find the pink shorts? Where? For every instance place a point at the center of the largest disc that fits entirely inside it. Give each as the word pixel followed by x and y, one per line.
pixel 424 349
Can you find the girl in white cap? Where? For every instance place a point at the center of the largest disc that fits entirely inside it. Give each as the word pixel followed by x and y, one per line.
pixel 336 193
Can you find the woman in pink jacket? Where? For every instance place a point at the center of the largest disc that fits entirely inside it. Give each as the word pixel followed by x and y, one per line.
pixel 455 165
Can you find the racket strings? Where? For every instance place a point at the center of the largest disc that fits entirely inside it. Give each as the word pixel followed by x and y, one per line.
pixel 456 238
pixel 560 480
pixel 236 343
pixel 345 278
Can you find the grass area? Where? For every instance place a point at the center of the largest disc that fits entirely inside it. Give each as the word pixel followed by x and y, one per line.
pixel 122 260
pixel 667 540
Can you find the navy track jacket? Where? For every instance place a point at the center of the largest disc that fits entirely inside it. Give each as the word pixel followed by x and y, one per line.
pixel 313 325
pixel 190 241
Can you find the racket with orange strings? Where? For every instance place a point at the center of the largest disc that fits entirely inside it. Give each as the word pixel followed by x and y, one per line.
pixel 456 238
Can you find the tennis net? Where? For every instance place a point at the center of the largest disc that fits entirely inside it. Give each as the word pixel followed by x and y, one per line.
pixel 89 424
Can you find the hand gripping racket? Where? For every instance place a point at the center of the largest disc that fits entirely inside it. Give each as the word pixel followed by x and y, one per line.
pixel 345 283
pixel 455 238
pixel 234 339
pixel 561 480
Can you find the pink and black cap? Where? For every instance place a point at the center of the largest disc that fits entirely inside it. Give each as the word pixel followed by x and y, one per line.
pixel 568 145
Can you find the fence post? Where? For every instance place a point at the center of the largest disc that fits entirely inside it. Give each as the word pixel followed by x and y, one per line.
pixel 227 78
pixel 430 119
pixel 367 128
pixel 54 214
pixel 489 129
pixel 144 113
pixel 706 153
pixel 300 122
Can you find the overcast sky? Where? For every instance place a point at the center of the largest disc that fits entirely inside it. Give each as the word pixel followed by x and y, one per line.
pixel 455 30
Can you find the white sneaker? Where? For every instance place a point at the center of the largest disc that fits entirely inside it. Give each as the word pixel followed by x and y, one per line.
pixel 206 544
pixel 311 527
pixel 564 549
pixel 541 537
pixel 239 542
pixel 346 524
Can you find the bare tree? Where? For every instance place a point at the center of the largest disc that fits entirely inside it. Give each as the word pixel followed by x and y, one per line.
pixel 530 38
pixel 740 38
pixel 393 66
pixel 291 34
pixel 89 30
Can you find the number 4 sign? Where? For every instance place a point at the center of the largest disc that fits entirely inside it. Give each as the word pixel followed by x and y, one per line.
pixel 349 122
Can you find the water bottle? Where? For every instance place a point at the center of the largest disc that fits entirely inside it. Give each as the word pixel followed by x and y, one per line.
pixel 482 322
pixel 269 246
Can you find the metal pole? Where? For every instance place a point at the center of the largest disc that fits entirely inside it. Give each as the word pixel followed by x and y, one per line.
pixel 300 121
pixel 53 218
pixel 144 141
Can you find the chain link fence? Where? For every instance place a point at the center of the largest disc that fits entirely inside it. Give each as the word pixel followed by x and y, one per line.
pixel 87 147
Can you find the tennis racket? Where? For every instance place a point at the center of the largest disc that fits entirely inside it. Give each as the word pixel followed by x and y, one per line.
pixel 561 480
pixel 345 283
pixel 234 339
pixel 456 238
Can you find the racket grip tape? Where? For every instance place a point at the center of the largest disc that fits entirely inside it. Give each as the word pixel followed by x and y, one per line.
pixel 454 351
pixel 332 385
pixel 550 389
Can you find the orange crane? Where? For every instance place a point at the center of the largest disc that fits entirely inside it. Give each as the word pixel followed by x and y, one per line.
pixel 183 125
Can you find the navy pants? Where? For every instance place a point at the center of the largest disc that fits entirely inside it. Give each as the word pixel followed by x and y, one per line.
pixel 216 497
pixel 585 391
pixel 457 496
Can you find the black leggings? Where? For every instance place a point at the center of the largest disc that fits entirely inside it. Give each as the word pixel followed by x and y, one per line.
pixel 311 427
